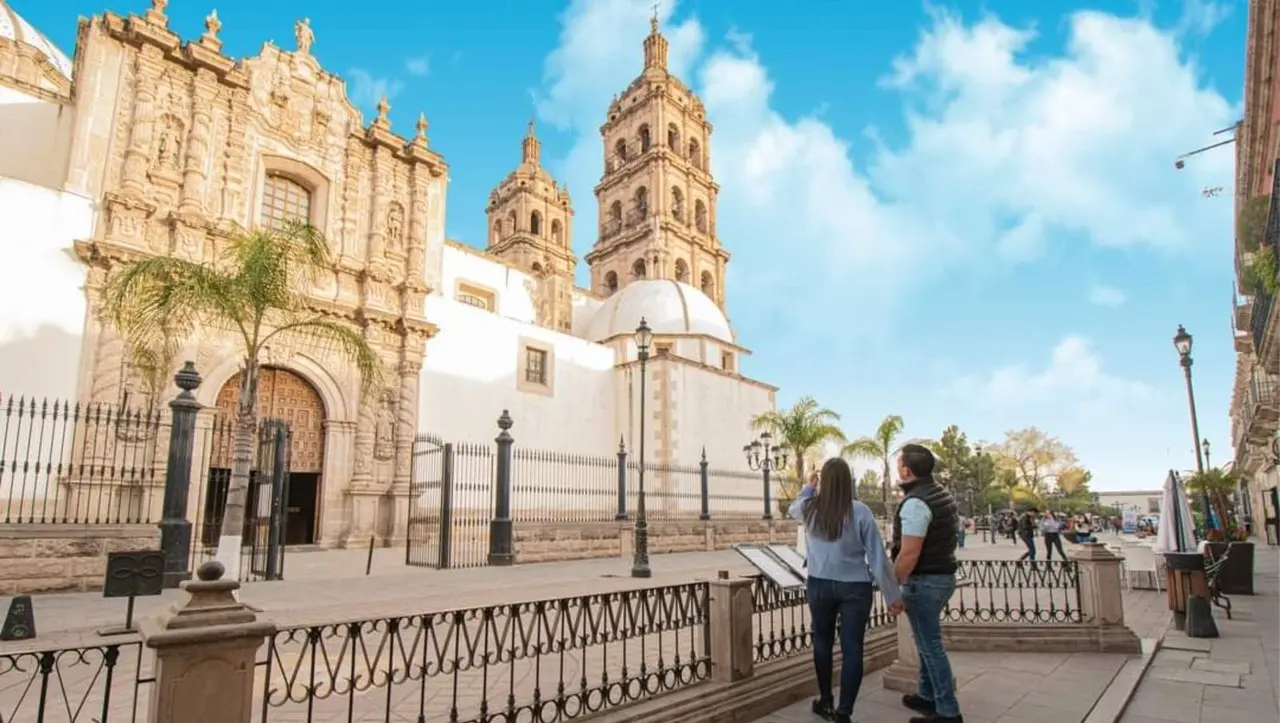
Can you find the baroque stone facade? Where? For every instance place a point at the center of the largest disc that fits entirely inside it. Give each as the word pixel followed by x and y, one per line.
pixel 184 146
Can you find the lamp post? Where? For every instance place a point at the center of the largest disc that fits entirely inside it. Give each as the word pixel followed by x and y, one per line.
pixel 1205 446
pixel 991 520
pixel 640 563
pixel 1182 342
pixel 765 457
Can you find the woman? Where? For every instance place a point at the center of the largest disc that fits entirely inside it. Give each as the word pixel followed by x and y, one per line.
pixel 845 551
pixel 1051 529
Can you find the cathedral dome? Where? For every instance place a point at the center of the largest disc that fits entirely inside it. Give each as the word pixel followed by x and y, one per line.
pixel 20 32
pixel 669 307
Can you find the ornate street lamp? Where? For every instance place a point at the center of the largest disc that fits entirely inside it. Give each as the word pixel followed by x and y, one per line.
pixel 640 563
pixel 1205 446
pixel 763 456
pixel 1182 342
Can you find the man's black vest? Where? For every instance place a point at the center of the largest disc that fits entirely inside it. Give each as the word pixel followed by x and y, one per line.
pixel 938 556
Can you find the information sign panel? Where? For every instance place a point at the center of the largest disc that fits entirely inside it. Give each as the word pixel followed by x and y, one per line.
pixel 777 572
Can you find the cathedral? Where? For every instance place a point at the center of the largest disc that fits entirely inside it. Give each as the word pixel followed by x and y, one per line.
pixel 146 143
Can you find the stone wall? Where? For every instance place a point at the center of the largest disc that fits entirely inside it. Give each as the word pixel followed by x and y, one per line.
pixel 546 542
pixel 64 558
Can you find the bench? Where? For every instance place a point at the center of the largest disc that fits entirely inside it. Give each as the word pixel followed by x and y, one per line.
pixel 1213 570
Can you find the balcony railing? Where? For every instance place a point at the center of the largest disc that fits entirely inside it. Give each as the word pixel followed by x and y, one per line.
pixel 1258 317
pixel 1260 412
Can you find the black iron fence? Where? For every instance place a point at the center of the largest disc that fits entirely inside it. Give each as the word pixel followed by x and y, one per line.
pixel 546 661
pixel 92 684
pixel 781 621
pixel 450 504
pixel 80 463
pixel 1003 591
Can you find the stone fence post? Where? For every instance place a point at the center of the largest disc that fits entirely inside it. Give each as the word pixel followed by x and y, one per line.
pixel 205 648
pixel 904 674
pixel 731 629
pixel 1102 598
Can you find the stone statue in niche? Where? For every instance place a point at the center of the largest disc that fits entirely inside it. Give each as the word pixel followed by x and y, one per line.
pixel 169 147
pixel 384 444
pixel 395 226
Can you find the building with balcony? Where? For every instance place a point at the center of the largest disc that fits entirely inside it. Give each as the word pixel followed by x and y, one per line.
pixel 1255 403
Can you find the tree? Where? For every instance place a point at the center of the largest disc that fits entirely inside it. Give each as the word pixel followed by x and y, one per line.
pixel 159 303
pixel 869 487
pixel 1036 459
pixel 1218 485
pixel 800 429
pixel 879 446
pixel 955 466
pixel 1074 481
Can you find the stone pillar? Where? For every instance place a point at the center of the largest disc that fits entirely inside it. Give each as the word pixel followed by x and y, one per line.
pixel 205 646
pixel 1102 598
pixel 731 623
pixel 904 674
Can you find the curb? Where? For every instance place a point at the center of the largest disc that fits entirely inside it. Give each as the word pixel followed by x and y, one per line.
pixel 1110 706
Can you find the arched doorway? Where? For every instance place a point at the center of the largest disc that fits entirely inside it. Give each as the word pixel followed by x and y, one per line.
pixel 284 395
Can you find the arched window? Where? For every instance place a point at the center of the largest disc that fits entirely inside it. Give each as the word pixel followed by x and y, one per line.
pixel 700 215
pixel 511 222
pixel 284 199
pixel 556 230
pixel 638 269
pixel 677 203
pixel 611 282
pixel 497 230
pixel 535 223
pixel 644 138
pixel 615 211
pixel 642 202
pixel 620 150
pixel 673 138
pixel 695 153
pixel 708 284
pixel 682 271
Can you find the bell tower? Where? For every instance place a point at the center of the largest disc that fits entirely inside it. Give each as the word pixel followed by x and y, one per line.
pixel 529 228
pixel 657 199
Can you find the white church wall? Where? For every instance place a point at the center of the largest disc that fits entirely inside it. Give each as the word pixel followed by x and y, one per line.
pixel 473 369
pixel 43 317
pixel 463 267
pixel 714 410
pixel 45 129
pixel 585 307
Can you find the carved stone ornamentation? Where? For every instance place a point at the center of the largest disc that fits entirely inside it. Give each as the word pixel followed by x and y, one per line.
pixel 395 226
pixel 384 445
pixel 304 35
pixel 168 144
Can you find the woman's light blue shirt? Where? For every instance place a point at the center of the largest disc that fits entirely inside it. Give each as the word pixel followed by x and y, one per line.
pixel 858 555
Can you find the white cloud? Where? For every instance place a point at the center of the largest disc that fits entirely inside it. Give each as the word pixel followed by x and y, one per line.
pixel 1106 296
pixel 366 89
pixel 1200 17
pixel 419 66
pixel 1005 152
pixel 1073 377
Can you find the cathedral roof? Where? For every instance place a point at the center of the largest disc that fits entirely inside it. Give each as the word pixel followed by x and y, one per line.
pixel 669 307
pixel 17 30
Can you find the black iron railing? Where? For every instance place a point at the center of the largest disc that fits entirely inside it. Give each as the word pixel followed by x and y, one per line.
pixel 1002 591
pixel 545 661
pixel 781 620
pixel 80 463
pixel 95 684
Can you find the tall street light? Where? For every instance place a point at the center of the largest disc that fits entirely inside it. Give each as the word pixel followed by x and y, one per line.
pixel 640 563
pixel 1182 342
pixel 764 456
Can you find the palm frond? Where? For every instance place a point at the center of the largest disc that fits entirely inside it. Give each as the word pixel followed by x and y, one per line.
pixel 348 341
pixel 162 299
pixel 889 429
pixel 864 448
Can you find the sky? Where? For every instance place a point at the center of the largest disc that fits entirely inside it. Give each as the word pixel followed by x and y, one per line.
pixel 960 212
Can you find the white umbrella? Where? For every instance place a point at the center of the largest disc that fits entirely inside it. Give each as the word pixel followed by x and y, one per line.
pixel 1177 530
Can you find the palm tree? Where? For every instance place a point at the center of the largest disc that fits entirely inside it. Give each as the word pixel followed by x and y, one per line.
pixel 159 303
pixel 801 429
pixel 1218 485
pixel 880 447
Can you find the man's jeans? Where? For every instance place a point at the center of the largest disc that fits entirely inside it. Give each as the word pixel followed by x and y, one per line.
pixel 925 597
pixel 1030 542
pixel 851 603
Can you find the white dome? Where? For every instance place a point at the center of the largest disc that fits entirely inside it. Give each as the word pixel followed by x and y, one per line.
pixel 669 307
pixel 13 27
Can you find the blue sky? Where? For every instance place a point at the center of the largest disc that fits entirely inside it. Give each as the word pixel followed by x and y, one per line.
pixel 961 212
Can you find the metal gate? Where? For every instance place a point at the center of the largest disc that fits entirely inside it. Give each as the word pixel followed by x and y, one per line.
pixel 268 490
pixel 450 504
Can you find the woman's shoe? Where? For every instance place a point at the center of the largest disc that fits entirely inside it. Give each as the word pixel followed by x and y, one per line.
pixel 824 709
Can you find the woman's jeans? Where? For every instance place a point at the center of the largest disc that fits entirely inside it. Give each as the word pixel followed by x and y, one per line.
pixel 1052 540
pixel 926 596
pixel 850 602
pixel 1030 542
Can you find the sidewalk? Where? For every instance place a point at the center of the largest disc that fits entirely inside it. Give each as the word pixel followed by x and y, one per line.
pixel 1231 679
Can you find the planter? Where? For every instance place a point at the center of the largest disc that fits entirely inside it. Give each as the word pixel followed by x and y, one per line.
pixel 1236 577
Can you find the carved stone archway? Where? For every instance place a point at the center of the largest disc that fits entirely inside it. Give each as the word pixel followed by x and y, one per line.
pixel 283 394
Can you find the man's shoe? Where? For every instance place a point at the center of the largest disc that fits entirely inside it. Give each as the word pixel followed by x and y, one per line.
pixel 918 704
pixel 935 718
pixel 823 708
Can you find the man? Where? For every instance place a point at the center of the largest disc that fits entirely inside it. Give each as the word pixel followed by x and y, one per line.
pixel 1027 531
pixel 924 555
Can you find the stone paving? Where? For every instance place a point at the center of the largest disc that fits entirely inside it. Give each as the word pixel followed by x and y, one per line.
pixel 1234 678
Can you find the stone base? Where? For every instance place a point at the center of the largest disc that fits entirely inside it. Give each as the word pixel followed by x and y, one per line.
pixel 39 558
pixel 901 678
pixel 1054 638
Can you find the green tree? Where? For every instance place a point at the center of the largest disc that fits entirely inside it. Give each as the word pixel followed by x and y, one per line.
pixel 801 429
pixel 1036 459
pixel 253 289
pixel 955 465
pixel 1219 486
pixel 869 487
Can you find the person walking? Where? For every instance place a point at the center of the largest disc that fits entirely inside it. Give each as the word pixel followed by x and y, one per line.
pixel 1027 532
pixel 924 554
pixel 1051 529
pixel 845 553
